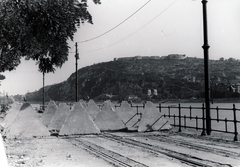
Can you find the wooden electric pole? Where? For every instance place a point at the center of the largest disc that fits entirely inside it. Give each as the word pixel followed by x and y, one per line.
pixel 76 74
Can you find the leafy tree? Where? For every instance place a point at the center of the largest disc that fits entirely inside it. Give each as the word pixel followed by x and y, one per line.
pixel 39 30
pixel 2 77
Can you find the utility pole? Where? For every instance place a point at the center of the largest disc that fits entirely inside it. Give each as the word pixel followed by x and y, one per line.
pixel 76 84
pixel 43 106
pixel 206 68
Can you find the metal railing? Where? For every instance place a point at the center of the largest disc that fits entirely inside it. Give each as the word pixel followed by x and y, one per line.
pixel 195 117
pixel 200 119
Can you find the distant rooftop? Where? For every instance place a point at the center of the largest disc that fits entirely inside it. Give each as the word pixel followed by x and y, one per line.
pixel 170 56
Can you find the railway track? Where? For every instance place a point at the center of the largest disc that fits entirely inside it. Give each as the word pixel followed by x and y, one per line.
pixel 111 157
pixel 186 144
pixel 184 158
pixel 228 143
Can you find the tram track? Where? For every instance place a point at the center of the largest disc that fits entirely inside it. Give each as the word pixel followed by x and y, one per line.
pixel 217 141
pixel 183 158
pixel 187 144
pixel 111 157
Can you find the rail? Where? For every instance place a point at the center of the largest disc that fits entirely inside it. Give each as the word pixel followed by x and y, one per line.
pixel 184 117
pixel 202 119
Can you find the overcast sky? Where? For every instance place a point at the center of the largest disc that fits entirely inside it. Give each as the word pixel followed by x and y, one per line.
pixel 159 28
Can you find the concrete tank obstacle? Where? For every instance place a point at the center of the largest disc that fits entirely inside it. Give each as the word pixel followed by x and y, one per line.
pixel 92 109
pixel 10 117
pixel 128 115
pixel 27 124
pixel 49 112
pixel 78 122
pixel 108 120
pixel 84 104
pixel 59 117
pixel 3 157
pixel 106 105
pixel 152 119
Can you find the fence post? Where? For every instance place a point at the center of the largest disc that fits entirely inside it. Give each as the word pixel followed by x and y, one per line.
pixel 203 121
pixel 190 108
pixel 159 107
pixel 235 123
pixel 179 109
pixel 174 120
pixel 197 122
pixel 169 111
pixel 185 123
pixel 226 125
pixel 217 114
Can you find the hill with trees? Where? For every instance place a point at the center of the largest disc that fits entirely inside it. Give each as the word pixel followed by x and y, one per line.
pixel 144 79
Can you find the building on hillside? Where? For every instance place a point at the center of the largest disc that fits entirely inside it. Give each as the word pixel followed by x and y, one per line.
pixel 149 92
pixel 233 88
pixel 190 78
pixel 164 57
pixel 194 79
pixel 145 57
pixel 138 57
pixel 176 56
pixel 155 92
pixel 154 57
pixel 132 97
pixel 171 56
pixel 125 58
pixel 238 87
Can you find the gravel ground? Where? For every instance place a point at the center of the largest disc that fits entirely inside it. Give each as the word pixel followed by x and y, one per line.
pixel 59 152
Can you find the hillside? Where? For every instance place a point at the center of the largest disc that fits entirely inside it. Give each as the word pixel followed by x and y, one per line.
pixel 141 79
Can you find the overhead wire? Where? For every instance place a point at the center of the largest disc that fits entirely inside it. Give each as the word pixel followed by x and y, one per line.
pixel 116 25
pixel 119 41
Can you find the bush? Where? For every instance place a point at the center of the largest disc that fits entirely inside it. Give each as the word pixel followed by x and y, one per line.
pixel 4 108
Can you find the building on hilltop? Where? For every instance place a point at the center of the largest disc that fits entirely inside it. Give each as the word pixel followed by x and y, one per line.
pixel 164 57
pixel 176 56
pixel 138 57
pixel 154 57
pixel 150 57
pixel 124 58
pixel 170 56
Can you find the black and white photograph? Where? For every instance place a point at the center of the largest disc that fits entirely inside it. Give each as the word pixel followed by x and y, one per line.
pixel 119 83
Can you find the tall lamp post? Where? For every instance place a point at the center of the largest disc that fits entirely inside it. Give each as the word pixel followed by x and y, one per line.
pixel 76 84
pixel 206 68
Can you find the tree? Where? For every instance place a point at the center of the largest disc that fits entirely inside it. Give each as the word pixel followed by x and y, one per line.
pixel 39 30
pixel 2 77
